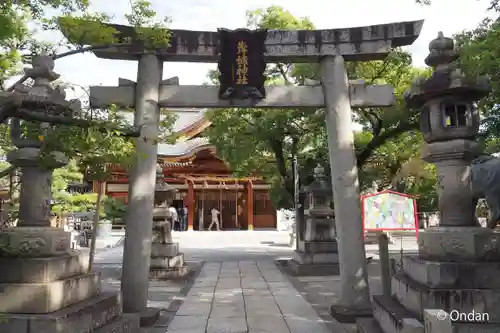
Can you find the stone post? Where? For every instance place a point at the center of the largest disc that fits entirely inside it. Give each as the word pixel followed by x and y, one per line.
pixel 47 286
pixel 355 295
pixel 35 195
pixel 457 266
pixel 139 219
pixel 316 253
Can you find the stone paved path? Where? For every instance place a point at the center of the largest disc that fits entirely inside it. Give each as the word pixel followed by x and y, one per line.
pixel 244 296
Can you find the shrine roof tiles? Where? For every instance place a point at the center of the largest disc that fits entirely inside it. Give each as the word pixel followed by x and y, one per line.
pixel 183 147
pixel 175 164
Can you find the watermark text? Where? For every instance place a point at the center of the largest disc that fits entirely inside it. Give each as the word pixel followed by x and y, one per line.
pixel 464 317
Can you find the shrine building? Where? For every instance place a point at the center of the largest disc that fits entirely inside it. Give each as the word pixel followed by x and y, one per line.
pixel 190 173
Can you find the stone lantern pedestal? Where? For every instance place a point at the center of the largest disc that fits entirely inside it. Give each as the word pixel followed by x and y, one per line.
pixel 458 264
pixel 317 252
pixel 166 260
pixel 45 286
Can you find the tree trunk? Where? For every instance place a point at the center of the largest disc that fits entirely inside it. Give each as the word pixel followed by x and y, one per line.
pixel 94 226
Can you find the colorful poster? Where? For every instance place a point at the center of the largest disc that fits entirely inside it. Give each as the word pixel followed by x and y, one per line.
pixel 388 210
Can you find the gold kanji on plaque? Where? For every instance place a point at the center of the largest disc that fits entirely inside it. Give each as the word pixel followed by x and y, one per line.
pixel 242 63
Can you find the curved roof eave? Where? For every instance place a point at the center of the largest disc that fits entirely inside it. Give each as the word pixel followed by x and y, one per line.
pixel 184 147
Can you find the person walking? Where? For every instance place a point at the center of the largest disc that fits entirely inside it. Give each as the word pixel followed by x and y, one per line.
pixel 215 219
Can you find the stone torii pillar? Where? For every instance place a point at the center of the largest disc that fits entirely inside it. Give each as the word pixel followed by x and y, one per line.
pixel 143 96
pixel 355 295
pixel 142 184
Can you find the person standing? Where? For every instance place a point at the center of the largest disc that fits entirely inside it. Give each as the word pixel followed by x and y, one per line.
pixel 184 216
pixel 215 219
pixel 180 213
pixel 173 215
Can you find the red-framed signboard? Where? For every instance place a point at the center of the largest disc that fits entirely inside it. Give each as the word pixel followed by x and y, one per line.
pixel 389 210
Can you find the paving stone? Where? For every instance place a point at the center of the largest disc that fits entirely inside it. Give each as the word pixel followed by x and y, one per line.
pixel 227 310
pixel 285 291
pixel 205 283
pixel 158 296
pixel 228 283
pixel 203 291
pixel 188 323
pixel 228 325
pixel 199 299
pixel 291 306
pixel 266 309
pixel 255 285
pixel 303 325
pixel 256 292
pixel 228 293
pixel 254 276
pixel 193 308
pixel 278 277
pixel 280 284
pixel 268 323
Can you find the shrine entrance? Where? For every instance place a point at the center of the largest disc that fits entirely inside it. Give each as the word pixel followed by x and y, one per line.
pixel 242 55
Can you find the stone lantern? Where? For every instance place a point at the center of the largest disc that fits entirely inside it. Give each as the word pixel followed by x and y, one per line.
pixel 317 251
pixel 457 266
pixel 450 123
pixel 58 293
pixel 317 211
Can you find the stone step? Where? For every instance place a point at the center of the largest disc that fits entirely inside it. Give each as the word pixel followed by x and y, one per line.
pixel 86 316
pixel 475 328
pixel 440 274
pixel 325 269
pixel 39 270
pixel 416 297
pixel 368 325
pixel 49 296
pixel 393 317
pixel 171 273
pixel 167 262
pixel 127 323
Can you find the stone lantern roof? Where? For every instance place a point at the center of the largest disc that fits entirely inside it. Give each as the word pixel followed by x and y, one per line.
pixel 447 78
pixel 319 184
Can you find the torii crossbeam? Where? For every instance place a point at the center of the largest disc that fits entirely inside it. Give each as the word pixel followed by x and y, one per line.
pixel 172 95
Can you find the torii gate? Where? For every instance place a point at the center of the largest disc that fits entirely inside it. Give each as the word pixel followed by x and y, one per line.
pixel 329 47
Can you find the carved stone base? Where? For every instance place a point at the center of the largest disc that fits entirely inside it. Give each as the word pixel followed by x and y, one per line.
pixel 168 273
pixel 300 269
pixel 164 250
pixel 48 297
pixel 100 314
pixel 318 247
pixel 416 297
pixel 39 270
pixel 34 242
pixel 459 244
pixel 464 286
pixel 56 294
pixel 315 258
pixel 452 275
pixel 167 262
